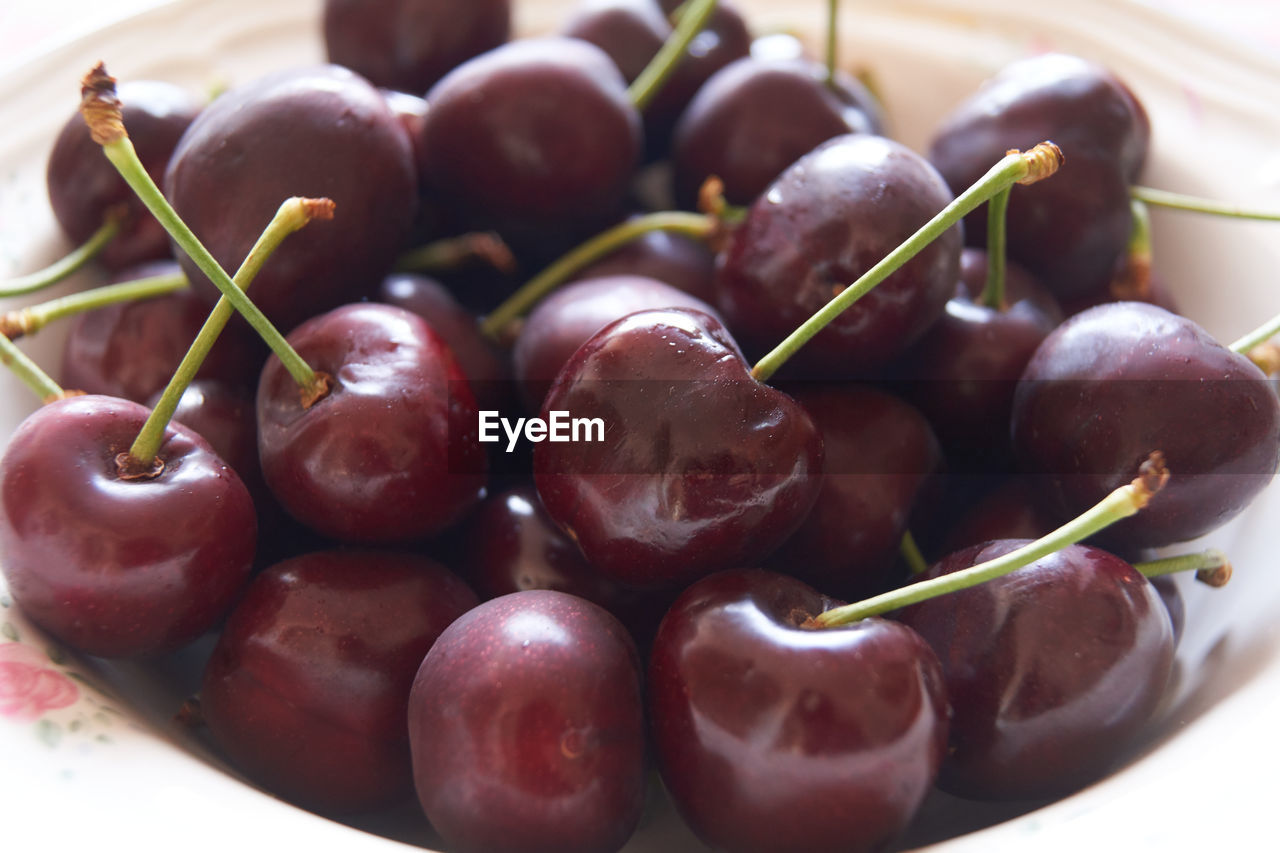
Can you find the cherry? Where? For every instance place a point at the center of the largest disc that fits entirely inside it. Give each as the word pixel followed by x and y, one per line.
pixel 963 372
pixel 827 219
pixel 684 263
pixel 410 44
pixel 391 453
pixel 567 318
pixel 1070 231
pixel 1052 670
pixel 754 118
pixel 701 467
pixel 527 728
pixel 878 453
pixel 83 186
pixel 115 565
pixel 535 139
pixel 773 737
pixel 322 131
pixel 130 349
pixel 488 371
pixel 1114 382
pixel 308 686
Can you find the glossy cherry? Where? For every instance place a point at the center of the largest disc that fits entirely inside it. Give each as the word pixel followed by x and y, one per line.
pixel 1071 230
pixel 391 453
pixel 83 185
pixel 1052 670
pixel 878 453
pixel 701 467
pixel 119 567
pixel 754 118
pixel 1118 381
pixel 535 139
pixel 825 221
pixel 312 131
pixel 527 727
pixel 963 372
pixel 567 318
pixel 410 44
pixel 773 737
pixel 307 688
pixel 674 259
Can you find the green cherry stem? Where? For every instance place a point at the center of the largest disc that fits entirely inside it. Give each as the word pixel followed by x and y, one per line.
pixel 833 43
pixel 911 555
pixel 1194 204
pixel 451 253
pixel 693 225
pixel 693 17
pixel 292 215
pixel 1257 337
pixel 1015 167
pixel 101 109
pixel 40 383
pixel 1122 503
pixel 69 263
pixel 33 318
pixel 997 227
pixel 1211 566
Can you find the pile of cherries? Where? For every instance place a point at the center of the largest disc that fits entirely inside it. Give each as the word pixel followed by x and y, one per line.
pixel 520 635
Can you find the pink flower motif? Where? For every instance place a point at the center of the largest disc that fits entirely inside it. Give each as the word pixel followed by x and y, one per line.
pixel 29 686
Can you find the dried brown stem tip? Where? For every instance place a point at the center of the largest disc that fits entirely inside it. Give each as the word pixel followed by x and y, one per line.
pixel 318 208
pixel 1042 161
pixel 101 107
pixel 1152 476
pixel 318 390
pixel 1216 576
pixel 15 324
pixel 1267 357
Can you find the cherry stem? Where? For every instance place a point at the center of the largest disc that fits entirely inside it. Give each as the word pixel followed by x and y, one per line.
pixel 993 293
pixel 1267 357
pixel 1133 280
pixel 101 109
pixel 693 225
pixel 1122 503
pixel 40 383
pixel 292 215
pixel 29 320
pixel 1257 337
pixel 1015 167
pixel 1211 567
pixel 833 12
pixel 69 263
pixel 693 17
pixel 1195 204
pixel 911 555
pixel 454 252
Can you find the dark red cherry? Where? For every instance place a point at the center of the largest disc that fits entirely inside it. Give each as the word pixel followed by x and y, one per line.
pixel 1119 381
pixel 878 452
pixel 391 454
pixel 223 415
pixel 674 259
pixel 131 349
pixel 754 118
pixel 1052 670
pixel 535 139
pixel 1071 230
pixel 963 372
pixel 773 737
pixel 117 567
pixel 826 220
pixel 567 318
pixel 307 688
pixel 410 44
pixel 527 729
pixel 701 467
pixel 83 185
pixel 488 371
pixel 319 131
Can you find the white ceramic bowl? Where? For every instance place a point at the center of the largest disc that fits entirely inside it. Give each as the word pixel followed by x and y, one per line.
pixel 87 751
